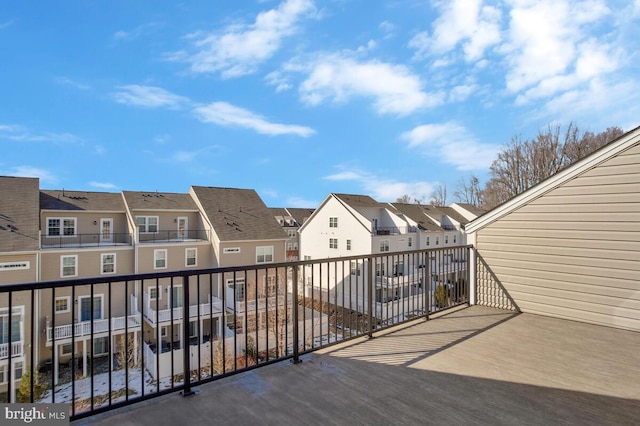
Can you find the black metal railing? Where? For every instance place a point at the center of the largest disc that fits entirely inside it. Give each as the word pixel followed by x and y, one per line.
pixel 111 341
pixel 173 236
pixel 85 240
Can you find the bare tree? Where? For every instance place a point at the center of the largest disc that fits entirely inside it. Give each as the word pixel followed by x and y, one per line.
pixel 524 163
pixel 468 191
pixel 406 199
pixel 439 196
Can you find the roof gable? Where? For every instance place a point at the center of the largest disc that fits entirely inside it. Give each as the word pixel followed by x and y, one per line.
pixel 624 142
pixel 238 214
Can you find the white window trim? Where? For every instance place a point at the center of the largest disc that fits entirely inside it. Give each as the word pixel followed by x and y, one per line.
pixel 146 224
pixel 259 248
pixel 66 345
pixel 333 222
pixel 166 261
pixel 158 295
pixel 62 219
pixel 68 298
pixel 333 246
pixel 388 246
pixel 95 296
pixel 15 266
pixel 186 257
pixel 75 257
pixel 102 256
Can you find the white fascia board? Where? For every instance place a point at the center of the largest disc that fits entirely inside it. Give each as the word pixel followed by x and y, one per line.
pixel 623 143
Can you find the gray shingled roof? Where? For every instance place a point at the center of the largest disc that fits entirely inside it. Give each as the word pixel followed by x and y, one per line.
pixel 300 214
pixel 453 214
pixel 238 214
pixel 81 200
pixel 141 200
pixel 473 209
pixel 19 214
pixel 358 200
pixel 417 212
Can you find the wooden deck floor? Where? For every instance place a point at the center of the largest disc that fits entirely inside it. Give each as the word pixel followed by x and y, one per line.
pixel 472 366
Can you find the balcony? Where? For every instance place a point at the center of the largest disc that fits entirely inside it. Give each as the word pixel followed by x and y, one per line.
pixel 474 366
pixel 173 236
pixel 153 316
pixel 17 349
pixel 85 240
pixel 83 329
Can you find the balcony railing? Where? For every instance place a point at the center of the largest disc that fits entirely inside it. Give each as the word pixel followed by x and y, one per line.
pixel 153 316
pixel 266 313
pixel 83 329
pixel 173 236
pixel 16 349
pixel 393 230
pixel 85 240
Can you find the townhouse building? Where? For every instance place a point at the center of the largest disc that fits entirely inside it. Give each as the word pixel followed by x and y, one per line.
pixel 19 253
pixel 354 225
pixel 290 219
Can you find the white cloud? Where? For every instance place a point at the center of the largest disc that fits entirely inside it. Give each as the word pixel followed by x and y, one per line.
pixel 338 78
pixel 302 202
pixel 382 188
pixel 149 97
pixel 277 79
pixel 549 47
pixel 463 22
pixel 452 143
pixel 240 48
pixel 225 114
pixel 140 30
pixel 69 82
pixel 31 171
pixel 103 185
pixel 19 133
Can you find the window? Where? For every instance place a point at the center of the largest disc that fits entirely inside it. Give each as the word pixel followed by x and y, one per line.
pixel 427 241
pixel 333 222
pixel 155 293
pixel 68 266
pixel 410 242
pixel 355 268
pixel 333 243
pixel 237 287
pixel 348 244
pixel 109 263
pixel 18 370
pixel 437 240
pixel 147 224
pixel 101 345
pixel 163 331
pixel 63 304
pixel 66 349
pixel 291 233
pixel 264 254
pixel 384 245
pixel 379 269
pixel 65 226
pixel 193 329
pixel 454 238
pixel 446 239
pixel 160 259
pixel 191 256
pixel 15 328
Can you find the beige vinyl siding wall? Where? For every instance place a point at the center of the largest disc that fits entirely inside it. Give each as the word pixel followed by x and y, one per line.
pixel 14 276
pixel 574 252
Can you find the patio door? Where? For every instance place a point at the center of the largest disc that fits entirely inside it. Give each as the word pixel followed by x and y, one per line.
pixel 106 230
pixel 183 227
pixel 175 298
pixel 87 308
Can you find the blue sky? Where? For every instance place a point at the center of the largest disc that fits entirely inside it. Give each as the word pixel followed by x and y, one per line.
pixel 299 98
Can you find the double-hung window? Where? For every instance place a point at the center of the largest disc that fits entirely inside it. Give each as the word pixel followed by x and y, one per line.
pixel 69 266
pixel 333 243
pixel 264 254
pixel 191 256
pixel 160 259
pixel 61 226
pixel 108 261
pixel 147 224
pixel 333 222
pixel 384 245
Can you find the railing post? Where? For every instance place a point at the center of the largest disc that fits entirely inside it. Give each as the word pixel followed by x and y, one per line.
pixel 370 297
pixel 186 348
pixel 296 320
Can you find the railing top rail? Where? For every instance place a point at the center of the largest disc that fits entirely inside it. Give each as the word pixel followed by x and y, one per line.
pixel 217 270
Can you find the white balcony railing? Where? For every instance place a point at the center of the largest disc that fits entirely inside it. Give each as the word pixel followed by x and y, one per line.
pixel 214 306
pixel 83 328
pixel 16 349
